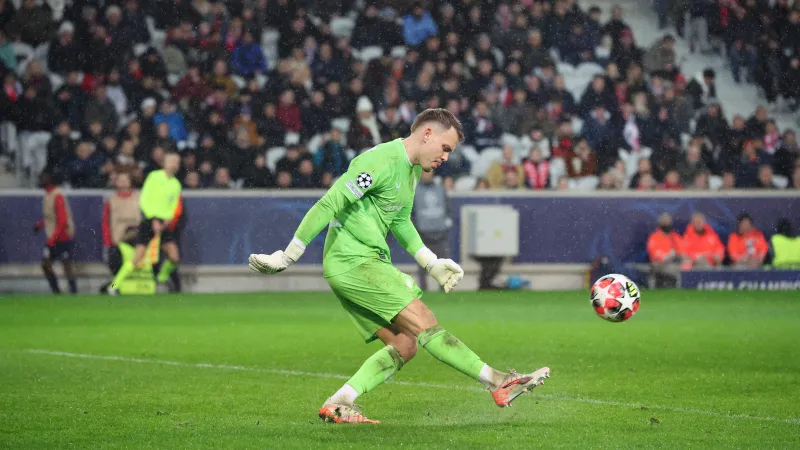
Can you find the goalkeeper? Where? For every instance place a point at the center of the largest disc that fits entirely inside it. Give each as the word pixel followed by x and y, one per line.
pixel 158 200
pixel 373 197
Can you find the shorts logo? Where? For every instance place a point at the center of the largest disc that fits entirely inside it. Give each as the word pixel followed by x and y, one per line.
pixel 352 186
pixel 364 180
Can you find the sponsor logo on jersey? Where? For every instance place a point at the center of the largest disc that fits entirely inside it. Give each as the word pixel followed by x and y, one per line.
pixel 390 208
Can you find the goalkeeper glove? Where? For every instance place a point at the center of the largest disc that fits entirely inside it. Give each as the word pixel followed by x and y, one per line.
pixel 446 272
pixel 278 261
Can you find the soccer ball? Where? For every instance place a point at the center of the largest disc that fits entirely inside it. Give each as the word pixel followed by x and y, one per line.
pixel 615 297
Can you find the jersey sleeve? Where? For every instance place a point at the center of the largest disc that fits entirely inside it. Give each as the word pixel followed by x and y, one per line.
pixel 404 230
pixel 364 177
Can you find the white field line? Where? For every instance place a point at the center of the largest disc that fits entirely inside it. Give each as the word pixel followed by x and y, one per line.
pixel 793 420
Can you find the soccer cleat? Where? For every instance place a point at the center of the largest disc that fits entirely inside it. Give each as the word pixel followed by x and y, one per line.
pixel 339 413
pixel 517 384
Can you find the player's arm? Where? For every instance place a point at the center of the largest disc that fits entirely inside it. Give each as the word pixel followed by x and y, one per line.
pixel 342 194
pixel 445 271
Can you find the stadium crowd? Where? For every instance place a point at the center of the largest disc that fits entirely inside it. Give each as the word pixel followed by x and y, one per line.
pixel 283 93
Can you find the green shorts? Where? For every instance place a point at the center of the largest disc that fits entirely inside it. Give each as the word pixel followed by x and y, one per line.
pixel 373 293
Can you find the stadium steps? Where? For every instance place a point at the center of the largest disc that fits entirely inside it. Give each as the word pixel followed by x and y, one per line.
pixel 735 98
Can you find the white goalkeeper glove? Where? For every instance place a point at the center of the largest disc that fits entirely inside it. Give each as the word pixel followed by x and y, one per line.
pixel 278 261
pixel 446 272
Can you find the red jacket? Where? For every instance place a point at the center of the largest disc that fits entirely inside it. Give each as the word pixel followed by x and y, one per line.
pixel 750 244
pixel 661 245
pixel 706 245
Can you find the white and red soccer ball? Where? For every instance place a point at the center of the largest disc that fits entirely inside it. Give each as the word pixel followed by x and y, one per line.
pixel 615 297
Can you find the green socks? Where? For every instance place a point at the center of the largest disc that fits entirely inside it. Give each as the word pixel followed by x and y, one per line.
pixel 122 274
pixel 376 370
pixel 448 349
pixel 167 267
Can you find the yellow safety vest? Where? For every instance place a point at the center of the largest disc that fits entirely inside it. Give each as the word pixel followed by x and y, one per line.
pixel 786 250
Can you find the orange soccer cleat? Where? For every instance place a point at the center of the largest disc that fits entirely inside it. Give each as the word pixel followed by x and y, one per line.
pixel 339 413
pixel 517 384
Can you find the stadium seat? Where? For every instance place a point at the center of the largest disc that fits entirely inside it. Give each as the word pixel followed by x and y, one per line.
pixel 173 79
pixel 350 153
pixel 24 54
pixel 40 53
pixel 342 26
pixel 56 81
pixel 341 123
pixel 589 69
pixel 399 52
pixel 315 143
pixel 499 56
pixel 781 181
pixel 565 69
pixel 584 183
pixel 575 85
pixel 577 125
pixel 558 168
pixel 367 54
pixel 514 142
pixel 273 155
pixel 715 182
pixel 292 138
pixel 470 153
pixel 139 49
pixel 240 83
pixel 465 184
pixel 488 156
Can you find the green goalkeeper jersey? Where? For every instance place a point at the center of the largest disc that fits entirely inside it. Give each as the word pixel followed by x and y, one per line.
pixel 373 197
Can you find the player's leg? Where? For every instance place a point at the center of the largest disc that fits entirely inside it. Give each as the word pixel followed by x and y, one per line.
pixel 400 348
pixel 65 255
pixel 170 264
pixel 49 274
pixel 418 320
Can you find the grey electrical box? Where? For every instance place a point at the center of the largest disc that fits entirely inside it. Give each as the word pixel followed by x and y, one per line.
pixel 491 230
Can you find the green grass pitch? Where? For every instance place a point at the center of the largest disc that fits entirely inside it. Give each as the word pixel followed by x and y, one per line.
pixel 692 369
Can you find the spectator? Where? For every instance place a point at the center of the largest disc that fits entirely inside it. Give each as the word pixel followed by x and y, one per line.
pixel 83 171
pixel 786 154
pixel 579 47
pixel 742 35
pixel 703 88
pixel 192 180
pixel 288 113
pixel 60 149
pixel 32 24
pixel 728 181
pixel 643 167
pixel 171 116
pixel 392 124
pixel 765 180
pixel 597 129
pixel 222 179
pixel 306 177
pixel 661 59
pixel 496 174
pixel 626 52
pixel 748 166
pixel 258 175
pixel 581 161
pixel 701 181
pixel 747 246
pixel 672 182
pixel 536 170
pixel 691 165
pixel 248 58
pixel 480 129
pixel 701 245
pixel 316 119
pixel 418 25
pixel 331 157
pixel 99 108
pixel 665 250
pixel 365 129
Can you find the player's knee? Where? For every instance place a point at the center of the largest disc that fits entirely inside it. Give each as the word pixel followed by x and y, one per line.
pixel 407 348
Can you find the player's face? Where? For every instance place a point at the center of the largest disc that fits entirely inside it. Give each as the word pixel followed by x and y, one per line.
pixel 172 163
pixel 437 146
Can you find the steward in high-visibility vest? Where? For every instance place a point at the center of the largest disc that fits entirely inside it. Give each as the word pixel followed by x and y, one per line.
pixel 785 247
